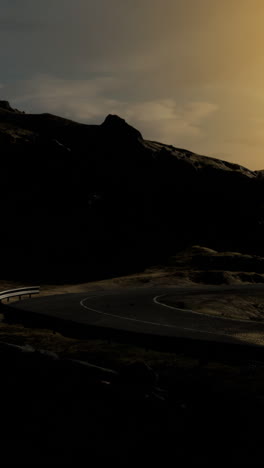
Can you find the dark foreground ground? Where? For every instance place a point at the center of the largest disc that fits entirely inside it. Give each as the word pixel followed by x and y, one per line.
pixel 171 407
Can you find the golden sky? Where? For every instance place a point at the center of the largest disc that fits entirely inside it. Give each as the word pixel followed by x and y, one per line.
pixel 186 72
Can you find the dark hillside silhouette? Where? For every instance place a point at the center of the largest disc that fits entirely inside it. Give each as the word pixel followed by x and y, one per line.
pixel 86 201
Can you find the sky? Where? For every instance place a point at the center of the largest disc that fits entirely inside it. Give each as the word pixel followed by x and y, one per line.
pixel 184 72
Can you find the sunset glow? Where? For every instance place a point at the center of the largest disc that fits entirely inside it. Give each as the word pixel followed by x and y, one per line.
pixel 185 72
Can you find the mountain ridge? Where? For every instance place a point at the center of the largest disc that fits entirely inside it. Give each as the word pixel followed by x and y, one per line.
pixel 116 125
pixel 112 123
pixel 105 199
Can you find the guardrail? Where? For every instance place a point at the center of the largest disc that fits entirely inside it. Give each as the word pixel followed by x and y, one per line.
pixel 19 292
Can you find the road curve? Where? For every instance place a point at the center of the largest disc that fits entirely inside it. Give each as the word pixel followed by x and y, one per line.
pixel 138 310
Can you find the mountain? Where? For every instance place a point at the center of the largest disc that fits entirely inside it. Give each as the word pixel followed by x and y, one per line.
pixel 85 201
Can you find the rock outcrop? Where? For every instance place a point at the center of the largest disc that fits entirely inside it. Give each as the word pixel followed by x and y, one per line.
pixel 4 105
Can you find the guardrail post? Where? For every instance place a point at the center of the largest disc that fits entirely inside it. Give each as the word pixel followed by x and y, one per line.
pixel 18 293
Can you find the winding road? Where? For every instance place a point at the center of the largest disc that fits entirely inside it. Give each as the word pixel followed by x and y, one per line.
pixel 143 310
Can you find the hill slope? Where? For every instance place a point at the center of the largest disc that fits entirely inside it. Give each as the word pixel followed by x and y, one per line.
pixel 92 200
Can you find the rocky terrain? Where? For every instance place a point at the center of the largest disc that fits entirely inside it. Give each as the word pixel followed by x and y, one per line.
pixel 93 201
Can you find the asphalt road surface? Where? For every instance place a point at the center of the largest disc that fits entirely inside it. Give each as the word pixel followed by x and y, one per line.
pixel 144 310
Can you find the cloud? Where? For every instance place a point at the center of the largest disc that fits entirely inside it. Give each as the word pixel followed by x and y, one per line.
pixel 81 100
pixel 91 100
pixel 221 122
pixel 187 73
pixel 168 121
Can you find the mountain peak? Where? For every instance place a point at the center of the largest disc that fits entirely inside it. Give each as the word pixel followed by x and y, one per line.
pixel 115 124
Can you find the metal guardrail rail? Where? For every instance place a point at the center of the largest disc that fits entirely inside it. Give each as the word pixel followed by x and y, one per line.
pixel 19 292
